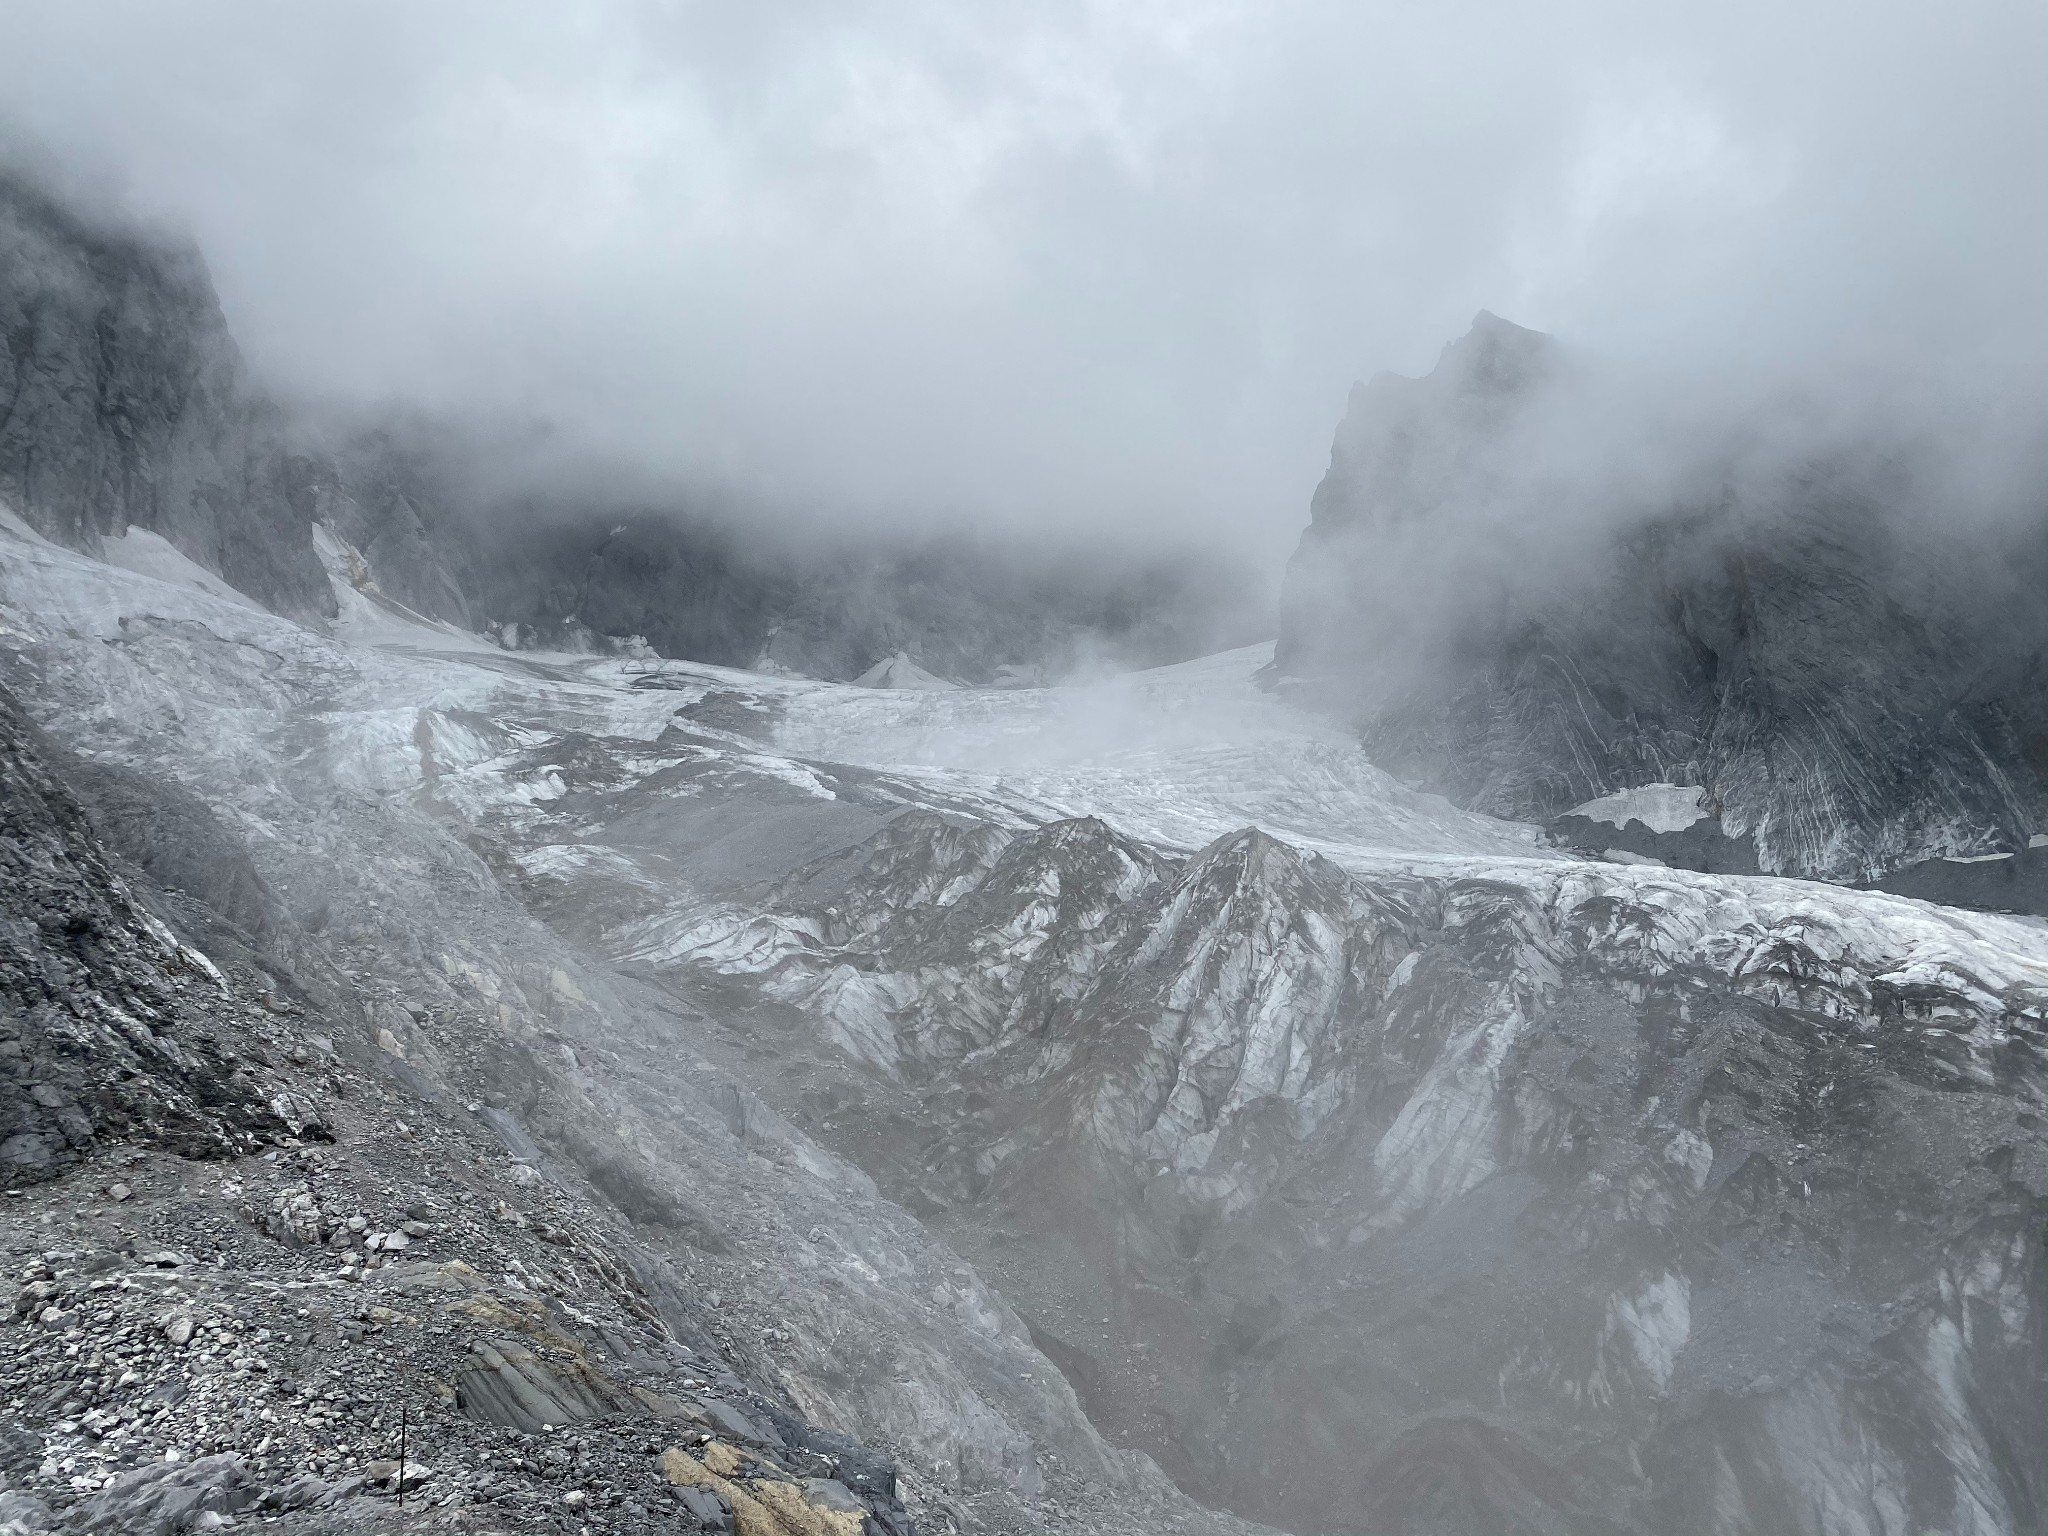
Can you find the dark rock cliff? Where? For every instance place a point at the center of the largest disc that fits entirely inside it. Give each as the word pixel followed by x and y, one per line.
pixel 123 402
pixel 1856 684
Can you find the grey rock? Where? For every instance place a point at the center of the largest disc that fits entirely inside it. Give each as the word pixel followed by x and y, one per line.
pixel 833 1494
pixel 109 1061
pixel 167 1499
pixel 508 1385
pixel 127 404
pixel 705 1507
pixel 739 1426
pixel 304 1491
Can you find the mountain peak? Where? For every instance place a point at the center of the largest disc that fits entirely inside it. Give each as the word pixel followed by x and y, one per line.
pixel 1497 356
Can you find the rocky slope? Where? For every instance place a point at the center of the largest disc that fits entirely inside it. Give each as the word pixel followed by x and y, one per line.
pixel 239 1275
pixel 1856 682
pixel 666 1242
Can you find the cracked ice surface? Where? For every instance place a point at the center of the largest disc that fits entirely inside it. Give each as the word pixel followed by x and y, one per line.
pixel 1176 756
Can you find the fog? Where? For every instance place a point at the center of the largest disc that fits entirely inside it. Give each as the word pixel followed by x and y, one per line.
pixel 1070 266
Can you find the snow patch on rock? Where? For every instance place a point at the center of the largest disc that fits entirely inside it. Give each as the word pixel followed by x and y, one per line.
pixel 1660 807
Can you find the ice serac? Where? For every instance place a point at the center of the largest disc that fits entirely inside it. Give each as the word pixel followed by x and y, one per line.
pixel 1856 684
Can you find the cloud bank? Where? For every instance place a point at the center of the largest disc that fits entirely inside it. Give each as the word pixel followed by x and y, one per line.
pixel 1067 265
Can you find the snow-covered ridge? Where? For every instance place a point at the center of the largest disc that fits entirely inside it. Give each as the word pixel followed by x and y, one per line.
pixel 1660 807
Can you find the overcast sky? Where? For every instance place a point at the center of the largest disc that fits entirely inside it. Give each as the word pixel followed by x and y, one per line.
pixel 1056 262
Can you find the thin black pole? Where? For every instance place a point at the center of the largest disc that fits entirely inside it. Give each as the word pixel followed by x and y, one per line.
pixel 401 1454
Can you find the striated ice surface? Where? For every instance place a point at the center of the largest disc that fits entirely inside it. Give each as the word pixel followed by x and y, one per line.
pixel 1176 756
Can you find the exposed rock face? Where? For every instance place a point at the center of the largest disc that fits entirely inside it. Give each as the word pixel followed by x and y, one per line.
pixel 122 402
pixel 839 603
pixel 110 1029
pixel 1672 824
pixel 1857 685
pixel 2002 882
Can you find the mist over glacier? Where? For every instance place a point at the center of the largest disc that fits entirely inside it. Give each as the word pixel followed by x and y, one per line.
pixel 1094 266
pixel 719 811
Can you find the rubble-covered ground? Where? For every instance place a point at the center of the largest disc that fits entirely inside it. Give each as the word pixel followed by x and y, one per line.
pixel 258 1277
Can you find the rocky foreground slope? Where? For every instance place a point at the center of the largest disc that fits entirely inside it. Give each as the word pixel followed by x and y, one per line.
pixel 248 1286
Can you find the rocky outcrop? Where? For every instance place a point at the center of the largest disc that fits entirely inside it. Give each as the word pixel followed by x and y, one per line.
pixel 111 1030
pixel 843 603
pixel 1996 882
pixel 1670 824
pixel 1527 622
pixel 123 403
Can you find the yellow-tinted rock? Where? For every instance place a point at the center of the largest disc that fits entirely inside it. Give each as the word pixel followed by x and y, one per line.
pixel 762 1508
pixel 721 1458
pixel 800 1517
pixel 681 1468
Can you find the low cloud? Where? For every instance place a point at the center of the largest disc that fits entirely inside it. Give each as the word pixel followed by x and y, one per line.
pixel 1075 266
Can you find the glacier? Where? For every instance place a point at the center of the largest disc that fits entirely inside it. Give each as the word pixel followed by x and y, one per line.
pixel 1364 1162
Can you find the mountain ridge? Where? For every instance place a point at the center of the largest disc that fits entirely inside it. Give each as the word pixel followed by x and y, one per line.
pixel 124 402
pixel 1852 685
